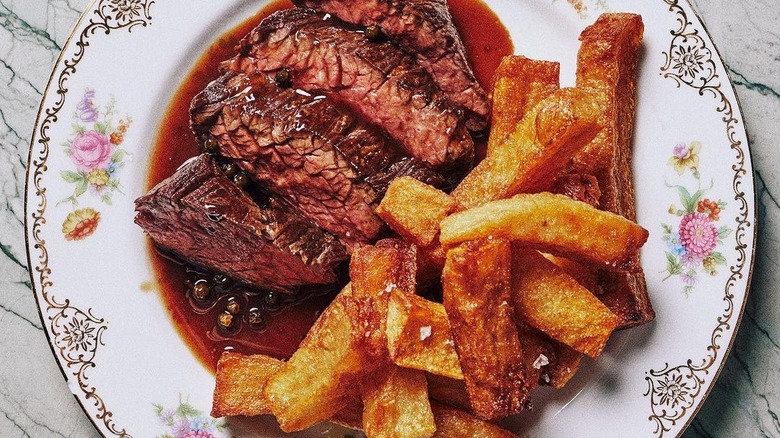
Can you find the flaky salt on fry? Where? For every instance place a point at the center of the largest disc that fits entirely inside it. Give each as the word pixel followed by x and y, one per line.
pixel 476 282
pixel 396 404
pixel 418 335
pixel 552 301
pixel 537 151
pixel 519 84
pixel 414 209
pixel 555 224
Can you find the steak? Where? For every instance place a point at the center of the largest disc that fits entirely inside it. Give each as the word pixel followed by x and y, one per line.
pixel 306 150
pixel 377 80
pixel 423 28
pixel 202 217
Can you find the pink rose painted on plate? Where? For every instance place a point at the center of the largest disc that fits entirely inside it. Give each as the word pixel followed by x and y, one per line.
pixel 91 150
pixel 95 149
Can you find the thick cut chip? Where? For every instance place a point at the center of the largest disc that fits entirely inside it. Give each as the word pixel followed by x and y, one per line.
pixel 454 423
pixel 418 335
pixel 548 361
pixel 607 65
pixel 395 404
pixel 476 282
pixel 555 224
pixel 375 272
pixel 564 362
pixel 449 391
pixel 550 300
pixel 322 375
pixel 519 84
pixel 414 209
pixel 537 151
pixel 241 381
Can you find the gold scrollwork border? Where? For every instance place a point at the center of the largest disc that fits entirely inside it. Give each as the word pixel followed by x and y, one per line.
pixel 75 334
pixel 675 390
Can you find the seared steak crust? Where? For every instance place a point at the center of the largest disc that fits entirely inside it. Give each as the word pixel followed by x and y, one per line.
pixel 201 216
pixel 376 79
pixel 307 151
pixel 425 29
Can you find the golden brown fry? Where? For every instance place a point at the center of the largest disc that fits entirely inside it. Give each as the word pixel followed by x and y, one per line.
pixel 536 152
pixel 418 335
pixel 321 376
pixel 555 224
pixel 578 186
pixel 414 209
pixel 454 423
pixel 376 271
pixel 396 404
pixel 564 362
pixel 607 65
pixel 552 301
pixel 449 391
pixel 519 84
pixel 477 299
pixel 241 381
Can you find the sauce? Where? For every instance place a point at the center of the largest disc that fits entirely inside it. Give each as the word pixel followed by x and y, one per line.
pixel 285 320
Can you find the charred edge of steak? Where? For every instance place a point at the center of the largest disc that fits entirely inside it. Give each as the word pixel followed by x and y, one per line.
pixel 423 28
pixel 202 217
pixel 375 79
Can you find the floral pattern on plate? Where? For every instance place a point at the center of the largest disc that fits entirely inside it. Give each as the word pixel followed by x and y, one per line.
pixel 693 240
pixel 186 422
pixel 95 150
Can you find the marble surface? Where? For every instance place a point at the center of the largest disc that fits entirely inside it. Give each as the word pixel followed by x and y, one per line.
pixel 34 398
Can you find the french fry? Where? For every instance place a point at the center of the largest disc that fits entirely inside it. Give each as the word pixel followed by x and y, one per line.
pixel 537 151
pixel 607 65
pixel 519 84
pixel 564 363
pixel 376 271
pixel 418 335
pixel 241 382
pixel 476 283
pixel 322 375
pixel 414 209
pixel 430 262
pixel 552 301
pixel 451 423
pixel 555 224
pixel 449 391
pixel 396 404
pixel 240 389
pixel 578 186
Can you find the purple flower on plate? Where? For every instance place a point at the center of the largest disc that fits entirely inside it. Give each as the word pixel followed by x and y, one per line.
pixel 86 109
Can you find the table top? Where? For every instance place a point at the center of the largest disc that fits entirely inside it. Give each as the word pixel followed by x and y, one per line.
pixel 34 397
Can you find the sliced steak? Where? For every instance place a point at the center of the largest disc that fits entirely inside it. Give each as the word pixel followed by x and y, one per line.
pixel 306 150
pixel 425 29
pixel 379 81
pixel 201 216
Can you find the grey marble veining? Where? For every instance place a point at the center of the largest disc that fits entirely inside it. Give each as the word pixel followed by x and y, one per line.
pixel 34 397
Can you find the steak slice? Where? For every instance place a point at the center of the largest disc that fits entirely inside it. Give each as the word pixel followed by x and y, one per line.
pixel 311 154
pixel 423 28
pixel 202 217
pixel 376 79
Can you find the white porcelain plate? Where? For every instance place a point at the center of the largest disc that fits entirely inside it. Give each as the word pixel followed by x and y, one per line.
pixel 133 375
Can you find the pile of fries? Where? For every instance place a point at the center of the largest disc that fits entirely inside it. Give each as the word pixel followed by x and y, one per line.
pixel 519 248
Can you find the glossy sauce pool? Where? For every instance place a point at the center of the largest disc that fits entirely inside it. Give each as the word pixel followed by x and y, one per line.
pixel 286 321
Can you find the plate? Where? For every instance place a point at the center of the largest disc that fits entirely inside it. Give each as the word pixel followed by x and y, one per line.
pixel 133 375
